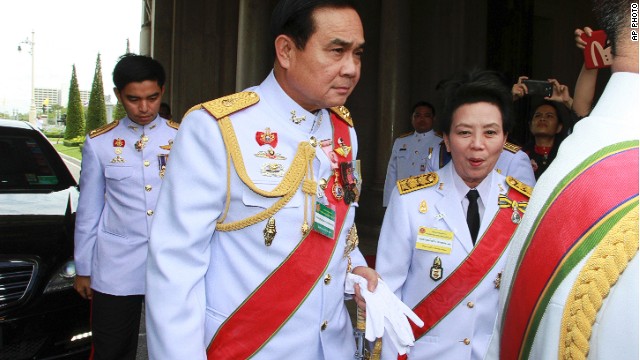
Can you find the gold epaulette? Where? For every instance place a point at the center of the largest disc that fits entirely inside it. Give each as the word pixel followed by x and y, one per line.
pixel 173 124
pixel 104 129
pixel 418 182
pixel 406 134
pixel 227 105
pixel 512 147
pixel 343 113
pixel 519 186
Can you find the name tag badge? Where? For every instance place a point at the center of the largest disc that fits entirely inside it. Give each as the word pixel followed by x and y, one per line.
pixel 325 220
pixel 435 240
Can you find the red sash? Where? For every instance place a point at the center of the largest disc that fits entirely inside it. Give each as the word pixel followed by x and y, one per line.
pixel 268 308
pixel 444 298
pixel 573 221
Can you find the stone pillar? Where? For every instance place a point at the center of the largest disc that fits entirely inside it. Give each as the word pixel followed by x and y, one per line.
pixel 254 43
pixel 394 80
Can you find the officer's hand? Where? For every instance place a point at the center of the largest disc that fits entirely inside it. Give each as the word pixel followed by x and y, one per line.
pixel 82 284
pixel 372 280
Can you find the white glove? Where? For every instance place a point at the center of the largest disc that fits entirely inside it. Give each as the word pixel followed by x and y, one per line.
pixel 385 312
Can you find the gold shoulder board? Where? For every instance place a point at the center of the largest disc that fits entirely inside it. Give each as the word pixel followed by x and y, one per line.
pixel 227 105
pixel 173 124
pixel 512 147
pixel 519 186
pixel 343 113
pixel 418 182
pixel 104 129
pixel 405 135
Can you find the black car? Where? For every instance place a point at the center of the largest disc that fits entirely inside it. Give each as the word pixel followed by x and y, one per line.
pixel 41 315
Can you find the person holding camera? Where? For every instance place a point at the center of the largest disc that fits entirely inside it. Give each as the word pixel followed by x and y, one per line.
pixel 547 124
pixel 570 286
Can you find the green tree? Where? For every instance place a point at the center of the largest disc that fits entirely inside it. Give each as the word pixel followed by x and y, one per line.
pixel 97 110
pixel 119 112
pixel 75 112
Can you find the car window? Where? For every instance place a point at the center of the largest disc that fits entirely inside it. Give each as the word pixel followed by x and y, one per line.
pixel 25 164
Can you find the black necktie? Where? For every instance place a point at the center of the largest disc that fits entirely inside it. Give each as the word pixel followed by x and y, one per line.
pixel 473 216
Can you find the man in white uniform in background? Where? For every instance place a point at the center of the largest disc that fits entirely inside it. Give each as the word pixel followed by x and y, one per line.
pixel 411 151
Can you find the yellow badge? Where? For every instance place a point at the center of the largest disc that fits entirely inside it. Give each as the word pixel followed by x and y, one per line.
pixel 435 240
pixel 423 207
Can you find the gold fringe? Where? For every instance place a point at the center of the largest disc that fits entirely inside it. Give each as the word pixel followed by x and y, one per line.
pixel 286 189
pixel 601 271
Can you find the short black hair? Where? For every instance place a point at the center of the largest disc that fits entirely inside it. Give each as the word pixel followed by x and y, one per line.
pixel 137 68
pixel 473 87
pixel 294 18
pixel 612 16
pixel 424 103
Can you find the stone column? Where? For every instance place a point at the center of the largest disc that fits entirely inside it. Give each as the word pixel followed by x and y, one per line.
pixel 254 43
pixel 394 98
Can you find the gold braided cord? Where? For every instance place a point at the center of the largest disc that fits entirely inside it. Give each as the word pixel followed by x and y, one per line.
pixel 601 271
pixel 228 198
pixel 292 178
pixel 286 189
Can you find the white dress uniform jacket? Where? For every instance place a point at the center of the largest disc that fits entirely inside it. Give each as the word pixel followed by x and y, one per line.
pixel 117 201
pixel 409 157
pixel 510 163
pixel 197 276
pixel 465 332
pixel 615 332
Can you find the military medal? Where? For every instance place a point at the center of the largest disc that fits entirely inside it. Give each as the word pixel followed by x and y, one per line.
pixel 118 145
pixel 267 138
pixel 272 170
pixel 326 148
pixel 296 120
pixel 441 186
pixel 423 207
pixel 168 146
pixel 348 182
pixel 269 231
pixel 336 189
pixel 270 154
pixel 343 149
pixel 162 164
pixel 517 207
pixel 141 143
pixel 436 269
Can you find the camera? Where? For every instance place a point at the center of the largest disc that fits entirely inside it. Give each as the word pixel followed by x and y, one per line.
pixel 538 87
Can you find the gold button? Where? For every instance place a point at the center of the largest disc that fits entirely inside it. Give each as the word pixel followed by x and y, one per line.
pixel 148 187
pixel 147 163
pixel 149 212
pixel 323 183
pixel 466 341
pixel 327 279
pixel 313 141
pixel 324 325
pixel 470 304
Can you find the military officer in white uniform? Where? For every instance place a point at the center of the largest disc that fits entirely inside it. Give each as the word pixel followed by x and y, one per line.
pixel 411 151
pixel 249 252
pixel 584 303
pixel 512 162
pixel 441 248
pixel 123 164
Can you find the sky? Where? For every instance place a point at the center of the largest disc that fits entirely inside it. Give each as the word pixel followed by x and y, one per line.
pixel 67 32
